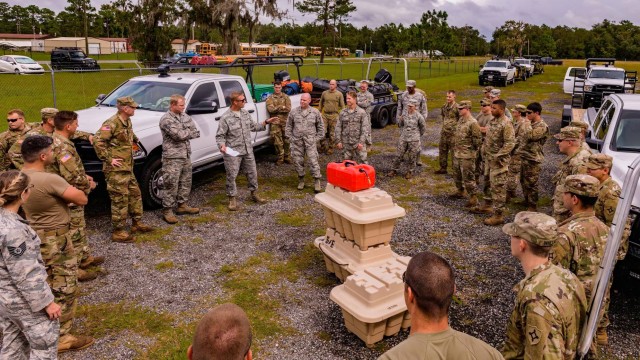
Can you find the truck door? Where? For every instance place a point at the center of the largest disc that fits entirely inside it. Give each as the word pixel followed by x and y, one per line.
pixel 200 106
pixel 569 78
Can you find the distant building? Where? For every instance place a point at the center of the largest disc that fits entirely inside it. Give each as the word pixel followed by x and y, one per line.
pixel 96 46
pixel 118 45
pixel 33 42
pixel 177 45
pixel 424 53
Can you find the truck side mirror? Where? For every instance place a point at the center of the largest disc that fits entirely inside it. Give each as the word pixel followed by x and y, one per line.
pixel 100 98
pixel 594 143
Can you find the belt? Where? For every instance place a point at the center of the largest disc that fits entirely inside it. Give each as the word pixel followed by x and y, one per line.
pixel 56 232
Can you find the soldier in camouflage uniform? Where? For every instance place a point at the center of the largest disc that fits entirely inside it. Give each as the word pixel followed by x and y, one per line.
pixel 351 131
pixel 304 129
pixel 365 101
pixel 234 131
pixel 522 132
pixel 279 104
pixel 331 102
pixel 28 313
pixel 494 95
pixel 17 128
pixel 583 126
pixel 483 119
pixel 550 305
pixel 532 156
pixel 467 140
pixel 403 101
pixel 575 163
pixel 449 117
pixel 412 127
pixel 67 164
pixel 114 144
pixel 177 129
pixel 497 148
pixel 487 93
pixel 582 238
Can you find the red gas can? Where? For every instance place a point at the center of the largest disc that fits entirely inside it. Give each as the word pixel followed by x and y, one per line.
pixel 350 176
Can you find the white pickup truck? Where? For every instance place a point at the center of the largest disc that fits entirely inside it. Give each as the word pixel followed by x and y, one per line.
pixel 499 72
pixel 207 98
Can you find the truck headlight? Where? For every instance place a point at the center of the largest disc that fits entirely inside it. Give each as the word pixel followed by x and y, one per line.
pixel 503 73
pixel 480 72
pixel 588 87
pixel 24 66
pixel 138 151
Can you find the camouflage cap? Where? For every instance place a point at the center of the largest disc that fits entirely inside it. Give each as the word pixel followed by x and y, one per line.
pixel 484 102
pixel 412 102
pixel 537 228
pixel 48 113
pixel 579 124
pixel 568 133
pixel 127 101
pixel 411 83
pixel 487 89
pixel 495 92
pixel 581 184
pixel 464 104
pixel 599 161
pixel 519 108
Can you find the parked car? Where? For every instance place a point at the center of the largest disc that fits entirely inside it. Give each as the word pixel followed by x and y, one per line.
pixel 19 64
pixel 72 58
pixel 527 65
pixel 500 72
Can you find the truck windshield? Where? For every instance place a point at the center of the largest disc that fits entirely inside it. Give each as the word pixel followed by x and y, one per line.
pixel 627 138
pixel 497 64
pixel 154 96
pixel 607 74
pixel 77 54
pixel 523 61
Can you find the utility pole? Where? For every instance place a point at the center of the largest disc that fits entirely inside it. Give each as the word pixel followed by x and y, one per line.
pixel 86 26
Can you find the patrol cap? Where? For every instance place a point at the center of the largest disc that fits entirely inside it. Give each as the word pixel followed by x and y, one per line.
pixel 599 161
pixel 485 102
pixel 581 184
pixel 568 133
pixel 579 124
pixel 464 104
pixel 127 101
pixel 537 228
pixel 365 81
pixel 411 83
pixel 48 113
pixel 412 102
pixel 487 89
pixel 519 108
pixel 495 92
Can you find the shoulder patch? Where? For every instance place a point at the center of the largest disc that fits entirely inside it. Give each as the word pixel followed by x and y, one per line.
pixel 106 128
pixel 65 158
pixel 19 250
pixel 533 334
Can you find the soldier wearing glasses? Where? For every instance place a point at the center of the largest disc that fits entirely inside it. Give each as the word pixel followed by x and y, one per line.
pixel 17 128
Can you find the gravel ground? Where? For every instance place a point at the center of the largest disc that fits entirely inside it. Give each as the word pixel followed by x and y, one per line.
pixel 485 270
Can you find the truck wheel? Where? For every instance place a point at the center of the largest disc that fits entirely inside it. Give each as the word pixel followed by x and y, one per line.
pixel 394 114
pixel 383 117
pixel 481 83
pixel 151 183
pixel 506 82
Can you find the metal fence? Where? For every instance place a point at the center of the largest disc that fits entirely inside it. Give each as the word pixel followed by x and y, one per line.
pixel 68 89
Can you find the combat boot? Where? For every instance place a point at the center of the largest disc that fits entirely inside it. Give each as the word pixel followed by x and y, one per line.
pixel 122 236
pixel 233 204
pixel 495 219
pixel 486 208
pixel 257 198
pixel 473 202
pixel 86 275
pixel 184 209
pixel 280 161
pixel 408 175
pixel 70 342
pixel 168 216
pixel 300 182
pixel 287 160
pixel 138 226
pixel 460 194
pixel 440 171
pixel 317 186
pixel 601 337
pixel 91 261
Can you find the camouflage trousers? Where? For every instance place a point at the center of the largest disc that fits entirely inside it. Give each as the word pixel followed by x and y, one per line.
pixel 78 233
pixel 486 185
pixel 330 121
pixel 300 148
pixel 406 150
pixel 351 152
pixel 125 195
pixel 497 186
pixel 61 264
pixel 27 334
pixel 280 142
pixel 176 181
pixel 529 175
pixel 233 165
pixel 515 168
pixel 445 148
pixel 368 129
pixel 560 213
pixel 464 175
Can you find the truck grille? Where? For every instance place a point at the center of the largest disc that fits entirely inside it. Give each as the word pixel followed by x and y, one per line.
pixel 491 72
pixel 608 88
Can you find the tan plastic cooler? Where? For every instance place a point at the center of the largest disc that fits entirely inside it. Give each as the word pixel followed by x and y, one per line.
pixel 365 217
pixel 372 301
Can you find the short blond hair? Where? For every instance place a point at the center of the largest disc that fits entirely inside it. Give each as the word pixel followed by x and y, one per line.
pixel 173 100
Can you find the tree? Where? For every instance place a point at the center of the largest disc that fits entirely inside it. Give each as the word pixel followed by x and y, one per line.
pixel 435 31
pixel 511 38
pixel 152 31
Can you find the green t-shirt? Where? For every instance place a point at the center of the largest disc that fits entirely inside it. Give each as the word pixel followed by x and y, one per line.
pixel 45 208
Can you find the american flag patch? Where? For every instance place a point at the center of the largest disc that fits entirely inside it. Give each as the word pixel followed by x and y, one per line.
pixel 65 158
pixel 106 128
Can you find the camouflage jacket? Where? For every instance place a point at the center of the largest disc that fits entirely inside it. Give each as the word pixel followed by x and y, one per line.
pixel 177 130
pixel 67 163
pixel 483 121
pixel 7 139
pixel 522 132
pixel 585 146
pixel 532 149
pixel 412 127
pixel 499 143
pixel 365 101
pixel 23 278
pixel 547 319
pixel 605 207
pixel 279 105
pixel 115 140
pixel 571 165
pixel 449 115
pixel 331 102
pixel 403 101
pixel 234 131
pixel 305 124
pixel 580 247
pixel 467 138
pixel 351 128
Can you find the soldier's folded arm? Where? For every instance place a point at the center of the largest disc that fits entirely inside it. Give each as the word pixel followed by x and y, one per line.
pixel 176 133
pixel 271 106
pixel 287 106
pixel 75 196
pixel 538 133
pixel 81 135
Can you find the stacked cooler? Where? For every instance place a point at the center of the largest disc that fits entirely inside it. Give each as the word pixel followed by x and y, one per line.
pixel 356 249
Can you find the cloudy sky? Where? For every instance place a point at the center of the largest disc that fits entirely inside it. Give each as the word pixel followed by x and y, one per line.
pixel 484 15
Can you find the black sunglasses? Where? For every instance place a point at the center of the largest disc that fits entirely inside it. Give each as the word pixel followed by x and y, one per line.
pixel 12 120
